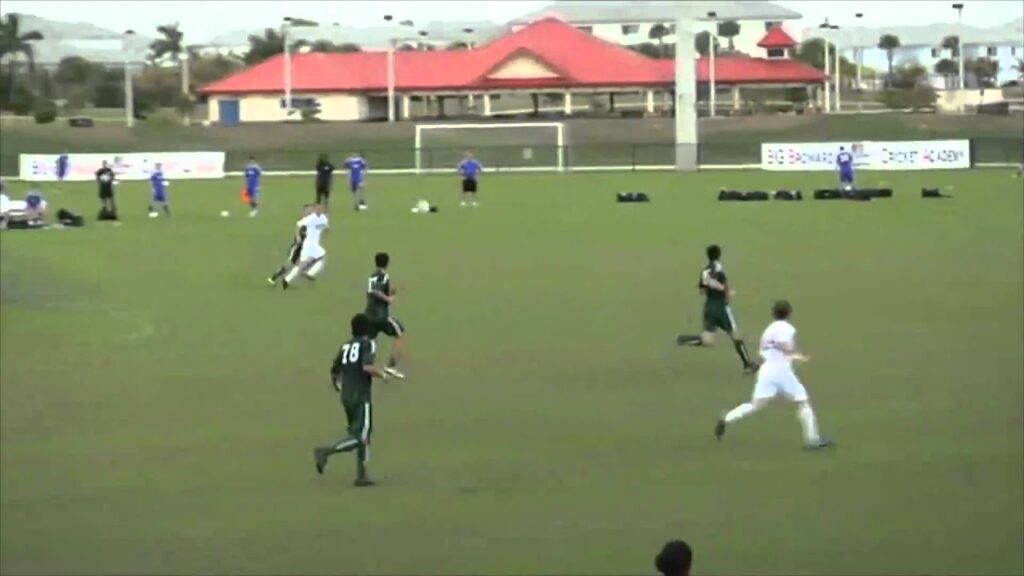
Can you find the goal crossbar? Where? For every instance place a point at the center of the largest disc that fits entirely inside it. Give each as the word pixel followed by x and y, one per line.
pixel 558 126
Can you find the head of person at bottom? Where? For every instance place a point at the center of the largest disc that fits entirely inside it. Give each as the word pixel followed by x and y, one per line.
pixel 714 253
pixel 674 559
pixel 360 325
pixel 782 310
pixel 382 260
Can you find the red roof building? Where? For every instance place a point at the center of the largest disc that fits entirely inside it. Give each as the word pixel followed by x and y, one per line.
pixel 545 57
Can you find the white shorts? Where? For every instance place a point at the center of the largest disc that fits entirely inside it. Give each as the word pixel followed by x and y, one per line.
pixel 311 253
pixel 772 382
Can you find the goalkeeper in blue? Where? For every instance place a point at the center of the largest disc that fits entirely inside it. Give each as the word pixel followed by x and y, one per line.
pixel 844 162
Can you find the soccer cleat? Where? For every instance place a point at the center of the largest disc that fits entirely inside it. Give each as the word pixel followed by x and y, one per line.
pixel 364 483
pixel 751 368
pixel 271 280
pixel 719 429
pixel 821 443
pixel 284 284
pixel 320 458
pixel 394 373
pixel 463 204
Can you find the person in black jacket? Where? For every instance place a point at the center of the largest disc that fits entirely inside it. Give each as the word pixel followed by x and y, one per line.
pixel 105 182
pixel 324 177
pixel 674 559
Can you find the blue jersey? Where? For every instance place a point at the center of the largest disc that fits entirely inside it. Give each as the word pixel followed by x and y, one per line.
pixel 159 185
pixel 845 162
pixel 470 168
pixel 252 178
pixel 62 166
pixel 356 167
pixel 33 199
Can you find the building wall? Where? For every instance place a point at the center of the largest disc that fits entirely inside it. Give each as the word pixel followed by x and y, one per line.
pixel 1006 55
pixel 267 107
pixel 522 67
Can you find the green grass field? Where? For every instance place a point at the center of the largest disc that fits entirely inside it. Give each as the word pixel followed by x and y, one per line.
pixel 160 402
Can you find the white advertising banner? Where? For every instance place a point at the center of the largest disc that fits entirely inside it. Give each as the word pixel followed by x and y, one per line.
pixel 907 155
pixel 131 166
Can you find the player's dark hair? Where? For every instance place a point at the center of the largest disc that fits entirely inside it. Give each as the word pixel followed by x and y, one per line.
pixel 781 310
pixel 674 559
pixel 714 252
pixel 360 325
pixel 382 259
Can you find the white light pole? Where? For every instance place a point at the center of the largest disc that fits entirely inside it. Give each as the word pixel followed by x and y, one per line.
pixel 839 72
pixel 392 47
pixel 712 46
pixel 860 53
pixel 285 28
pixel 960 41
pixel 129 93
pixel 828 66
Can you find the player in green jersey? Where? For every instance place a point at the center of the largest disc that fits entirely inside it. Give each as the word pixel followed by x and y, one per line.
pixel 717 313
pixel 352 375
pixel 380 294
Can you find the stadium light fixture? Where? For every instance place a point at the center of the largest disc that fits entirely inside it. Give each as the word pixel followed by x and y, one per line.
pixel 859 57
pixel 828 66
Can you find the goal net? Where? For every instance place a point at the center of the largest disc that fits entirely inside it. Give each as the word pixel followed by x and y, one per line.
pixel 499 147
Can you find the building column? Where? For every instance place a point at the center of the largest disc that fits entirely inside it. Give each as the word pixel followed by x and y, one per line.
pixel 535 98
pixel 611 102
pixel 469 101
pixel 736 97
pixel 650 101
pixel 487 104
pixel 406 112
pixel 567 98
pixel 440 106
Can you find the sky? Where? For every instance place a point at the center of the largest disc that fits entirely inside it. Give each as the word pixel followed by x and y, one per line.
pixel 202 21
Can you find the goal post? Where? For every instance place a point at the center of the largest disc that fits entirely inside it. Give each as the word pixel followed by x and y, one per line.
pixel 500 147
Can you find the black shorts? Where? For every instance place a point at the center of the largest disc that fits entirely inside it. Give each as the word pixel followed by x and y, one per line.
pixel 106 194
pixel 323 191
pixel 389 326
pixel 469 185
pixel 294 252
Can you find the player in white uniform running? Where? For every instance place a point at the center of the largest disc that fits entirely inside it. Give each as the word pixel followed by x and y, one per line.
pixel 777 378
pixel 311 259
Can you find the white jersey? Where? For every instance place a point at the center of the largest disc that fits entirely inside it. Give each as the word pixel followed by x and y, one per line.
pixel 778 334
pixel 315 224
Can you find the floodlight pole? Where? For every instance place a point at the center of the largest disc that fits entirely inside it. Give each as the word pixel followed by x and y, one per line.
pixel 860 61
pixel 828 69
pixel 712 45
pixel 839 73
pixel 960 42
pixel 391 80
pixel 686 97
pixel 285 26
pixel 129 92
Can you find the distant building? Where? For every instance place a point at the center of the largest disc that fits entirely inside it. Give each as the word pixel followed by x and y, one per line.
pixel 630 23
pixel 923 45
pixel 543 59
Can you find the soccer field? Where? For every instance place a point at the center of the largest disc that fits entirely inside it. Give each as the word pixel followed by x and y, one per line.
pixel 159 402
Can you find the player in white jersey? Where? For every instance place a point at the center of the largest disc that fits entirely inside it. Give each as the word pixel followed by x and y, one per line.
pixel 776 377
pixel 312 255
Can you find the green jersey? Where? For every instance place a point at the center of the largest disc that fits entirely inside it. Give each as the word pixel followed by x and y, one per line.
pixel 349 367
pixel 714 271
pixel 376 307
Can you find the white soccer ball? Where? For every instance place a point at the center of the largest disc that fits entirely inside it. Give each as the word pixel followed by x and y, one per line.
pixel 423 206
pixel 225 213
pixel 153 214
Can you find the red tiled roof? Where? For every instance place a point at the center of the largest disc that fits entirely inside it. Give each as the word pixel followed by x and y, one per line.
pixel 578 59
pixel 748 70
pixel 777 38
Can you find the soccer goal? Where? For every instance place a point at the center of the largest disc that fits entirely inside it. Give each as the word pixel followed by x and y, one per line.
pixel 499 147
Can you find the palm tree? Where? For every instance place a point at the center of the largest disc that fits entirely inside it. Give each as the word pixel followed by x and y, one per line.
pixel 702 43
pixel 658 33
pixel 947 67
pixel 271 43
pixel 952 43
pixel 889 43
pixel 1019 67
pixel 458 45
pixel 729 29
pixel 331 47
pixel 171 44
pixel 15 43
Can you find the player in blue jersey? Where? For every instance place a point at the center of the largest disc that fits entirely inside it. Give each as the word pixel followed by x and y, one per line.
pixel 62 167
pixel 158 184
pixel 356 167
pixel 844 161
pixel 253 175
pixel 470 169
